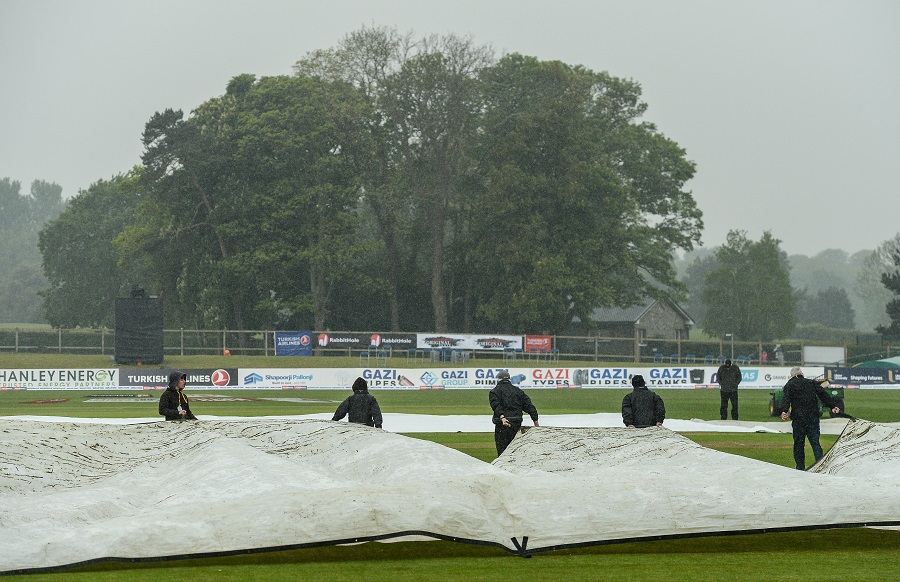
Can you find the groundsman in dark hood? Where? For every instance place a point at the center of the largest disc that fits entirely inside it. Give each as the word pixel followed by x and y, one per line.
pixel 361 407
pixel 174 403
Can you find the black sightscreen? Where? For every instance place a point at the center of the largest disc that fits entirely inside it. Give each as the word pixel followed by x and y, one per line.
pixel 139 330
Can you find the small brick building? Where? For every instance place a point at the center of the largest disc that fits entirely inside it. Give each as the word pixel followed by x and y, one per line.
pixel 650 319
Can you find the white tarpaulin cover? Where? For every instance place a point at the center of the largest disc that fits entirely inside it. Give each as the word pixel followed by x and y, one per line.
pixel 78 492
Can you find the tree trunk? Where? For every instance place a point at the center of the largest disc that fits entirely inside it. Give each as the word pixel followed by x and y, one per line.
pixel 236 307
pixel 438 226
pixel 386 225
pixel 317 287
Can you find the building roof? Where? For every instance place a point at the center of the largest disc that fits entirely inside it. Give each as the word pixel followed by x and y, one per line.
pixel 633 313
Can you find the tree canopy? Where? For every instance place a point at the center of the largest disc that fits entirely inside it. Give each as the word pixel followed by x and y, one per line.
pixel 80 261
pixel 749 293
pixel 828 307
pixel 21 218
pixel 415 184
pixel 887 257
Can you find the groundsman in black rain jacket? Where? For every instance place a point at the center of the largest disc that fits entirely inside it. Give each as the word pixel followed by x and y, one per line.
pixel 174 403
pixel 642 407
pixel 361 407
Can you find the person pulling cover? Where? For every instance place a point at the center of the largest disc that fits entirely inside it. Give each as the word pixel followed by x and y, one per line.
pixel 174 403
pixel 642 407
pixel 508 402
pixel 361 406
pixel 801 398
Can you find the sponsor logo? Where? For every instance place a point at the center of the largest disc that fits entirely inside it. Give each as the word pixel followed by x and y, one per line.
pixel 668 376
pixel 218 398
pixel 442 341
pixel 220 378
pixel 375 340
pixel 123 398
pixel 56 377
pixel 325 339
pixel 253 378
pixel 493 343
pixel 282 378
pixel 147 379
pixel 429 379
pixel 558 377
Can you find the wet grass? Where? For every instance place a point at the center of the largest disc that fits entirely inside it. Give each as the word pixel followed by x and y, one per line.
pixel 874 405
pixel 829 555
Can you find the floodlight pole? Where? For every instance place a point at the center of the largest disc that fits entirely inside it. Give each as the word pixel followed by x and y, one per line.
pixel 731 335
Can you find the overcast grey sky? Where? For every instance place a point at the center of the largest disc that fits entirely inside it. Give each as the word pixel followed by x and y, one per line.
pixel 791 109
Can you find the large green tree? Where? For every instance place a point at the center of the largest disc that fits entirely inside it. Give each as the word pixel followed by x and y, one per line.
pixel 45 203
pixel 300 141
pixel 749 294
pixel 250 202
pixel 828 307
pixel 582 203
pixel 870 282
pixel 425 106
pixel 17 248
pixel 366 59
pixel 837 268
pixel 416 183
pixel 887 256
pixel 79 259
pixel 21 218
pixel 695 266
pixel 182 226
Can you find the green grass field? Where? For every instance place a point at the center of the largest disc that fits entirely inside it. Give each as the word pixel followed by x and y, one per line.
pixel 841 554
